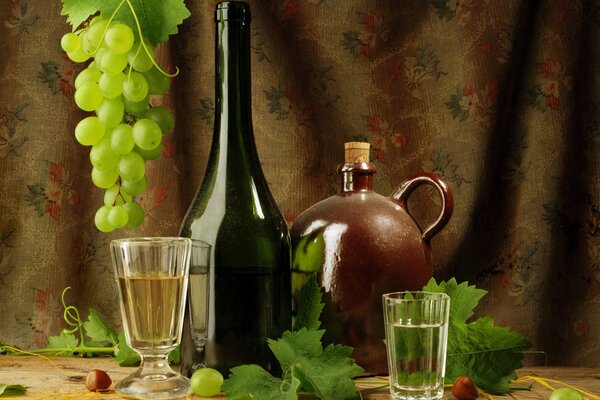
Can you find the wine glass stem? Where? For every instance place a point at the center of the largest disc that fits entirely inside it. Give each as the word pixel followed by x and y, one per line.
pixel 155 364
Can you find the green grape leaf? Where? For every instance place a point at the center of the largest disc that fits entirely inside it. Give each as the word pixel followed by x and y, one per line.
pixel 293 345
pixel 65 343
pixel 487 353
pixel 328 373
pixel 158 18
pixel 5 348
pixel 463 298
pixel 124 354
pixel 98 330
pixel 78 11
pixel 175 355
pixel 309 305
pixel 249 382
pixel 11 390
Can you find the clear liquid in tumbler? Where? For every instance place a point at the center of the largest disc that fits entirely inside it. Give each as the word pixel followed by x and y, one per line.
pixel 152 310
pixel 417 370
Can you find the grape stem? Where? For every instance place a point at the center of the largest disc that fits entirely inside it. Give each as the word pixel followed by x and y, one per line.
pixel 143 44
pixel 79 350
pixel 108 24
pixel 119 182
pixel 72 317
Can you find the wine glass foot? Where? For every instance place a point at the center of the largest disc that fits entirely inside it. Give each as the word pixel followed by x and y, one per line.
pixel 155 385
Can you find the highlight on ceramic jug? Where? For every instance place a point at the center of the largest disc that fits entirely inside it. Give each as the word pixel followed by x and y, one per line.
pixel 362 245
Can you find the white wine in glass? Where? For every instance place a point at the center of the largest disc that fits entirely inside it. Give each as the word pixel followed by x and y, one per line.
pixel 152 277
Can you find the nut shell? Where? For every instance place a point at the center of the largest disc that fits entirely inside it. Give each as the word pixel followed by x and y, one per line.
pixel 464 388
pixel 97 381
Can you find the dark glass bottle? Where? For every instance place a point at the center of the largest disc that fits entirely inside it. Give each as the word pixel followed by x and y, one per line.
pixel 234 211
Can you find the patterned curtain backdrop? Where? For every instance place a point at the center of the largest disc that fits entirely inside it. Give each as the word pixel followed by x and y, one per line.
pixel 499 97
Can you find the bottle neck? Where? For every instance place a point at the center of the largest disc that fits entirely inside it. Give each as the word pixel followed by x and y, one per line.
pixel 356 177
pixel 233 108
pixel 232 77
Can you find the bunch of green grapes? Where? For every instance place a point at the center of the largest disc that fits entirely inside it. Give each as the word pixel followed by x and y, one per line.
pixel 125 131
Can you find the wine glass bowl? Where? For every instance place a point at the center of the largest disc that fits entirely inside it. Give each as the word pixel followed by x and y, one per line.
pixel 152 280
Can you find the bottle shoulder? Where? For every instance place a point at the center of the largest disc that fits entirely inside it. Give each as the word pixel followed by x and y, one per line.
pixel 225 209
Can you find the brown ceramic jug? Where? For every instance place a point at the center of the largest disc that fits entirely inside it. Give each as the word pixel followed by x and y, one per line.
pixel 363 245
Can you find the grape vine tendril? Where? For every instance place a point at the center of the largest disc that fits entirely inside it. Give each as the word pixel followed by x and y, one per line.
pixel 142 44
pixel 108 24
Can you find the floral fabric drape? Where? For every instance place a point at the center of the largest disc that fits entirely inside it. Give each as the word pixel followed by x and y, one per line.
pixel 500 98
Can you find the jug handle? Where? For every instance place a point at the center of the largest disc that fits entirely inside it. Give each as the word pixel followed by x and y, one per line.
pixel 404 191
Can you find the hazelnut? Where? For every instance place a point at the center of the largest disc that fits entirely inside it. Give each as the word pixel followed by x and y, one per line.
pixel 464 388
pixel 97 381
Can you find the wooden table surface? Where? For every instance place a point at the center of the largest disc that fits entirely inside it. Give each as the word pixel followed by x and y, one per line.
pixel 65 379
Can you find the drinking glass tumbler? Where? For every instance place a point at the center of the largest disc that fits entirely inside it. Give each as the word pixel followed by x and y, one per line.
pixel 152 280
pixel 416 332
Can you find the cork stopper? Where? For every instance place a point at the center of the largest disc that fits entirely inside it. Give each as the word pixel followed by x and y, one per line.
pixel 356 152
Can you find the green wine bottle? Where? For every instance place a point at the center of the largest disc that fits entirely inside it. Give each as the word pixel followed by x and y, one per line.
pixel 234 211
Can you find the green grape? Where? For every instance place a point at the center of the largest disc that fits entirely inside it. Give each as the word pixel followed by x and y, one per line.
pixel 92 37
pixel 104 179
pixel 98 56
pixel 112 63
pixel 139 59
pixel 158 83
pixel 135 188
pixel 111 112
pixel 206 382
pixel 121 140
pixel 110 195
pixel 101 219
pixel 102 157
pixel 70 42
pixel 136 214
pixel 89 131
pixel 131 167
pixel 565 393
pixel 119 38
pixel 149 154
pixel 96 19
pixel 90 74
pixel 88 97
pixel 118 216
pixel 111 86
pixel 78 55
pixel 146 134
pixel 163 117
pixel 119 150
pixel 135 107
pixel 135 87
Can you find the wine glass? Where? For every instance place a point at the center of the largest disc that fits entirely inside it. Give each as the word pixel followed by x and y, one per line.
pixel 198 299
pixel 152 279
